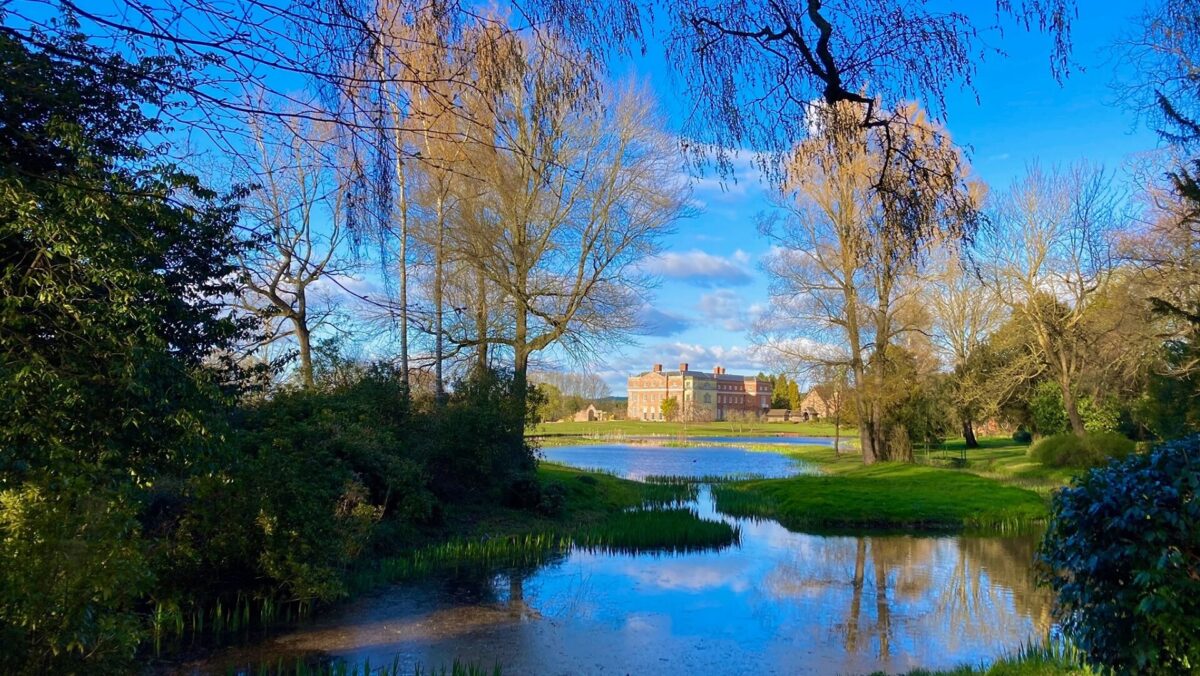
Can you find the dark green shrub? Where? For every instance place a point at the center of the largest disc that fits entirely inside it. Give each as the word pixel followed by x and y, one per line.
pixel 474 444
pixel 1022 436
pixel 554 499
pixel 1122 553
pixel 587 479
pixel 1091 450
pixel 523 493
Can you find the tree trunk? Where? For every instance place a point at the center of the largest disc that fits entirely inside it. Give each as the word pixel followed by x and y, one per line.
pixel 968 431
pixel 403 206
pixel 304 341
pixel 481 318
pixel 1072 408
pixel 837 433
pixel 439 388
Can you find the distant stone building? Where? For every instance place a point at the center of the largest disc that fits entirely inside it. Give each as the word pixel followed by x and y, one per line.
pixel 701 396
pixel 591 414
pixel 818 404
pixel 778 415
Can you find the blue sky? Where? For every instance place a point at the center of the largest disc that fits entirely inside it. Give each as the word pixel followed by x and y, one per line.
pixel 711 282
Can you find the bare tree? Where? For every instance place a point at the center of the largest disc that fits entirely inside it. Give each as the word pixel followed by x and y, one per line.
pixel 582 197
pixel 1048 258
pixel 296 217
pixel 965 312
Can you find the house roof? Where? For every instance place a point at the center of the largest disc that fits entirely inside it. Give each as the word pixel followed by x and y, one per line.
pixel 704 375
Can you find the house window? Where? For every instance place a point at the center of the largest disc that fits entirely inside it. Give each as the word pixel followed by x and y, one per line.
pixel 707 398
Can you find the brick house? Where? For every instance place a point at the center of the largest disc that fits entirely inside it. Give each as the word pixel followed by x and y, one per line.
pixel 701 396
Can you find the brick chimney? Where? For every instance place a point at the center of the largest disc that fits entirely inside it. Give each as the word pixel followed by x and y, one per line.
pixel 658 368
pixel 683 367
pixel 722 369
pixel 716 370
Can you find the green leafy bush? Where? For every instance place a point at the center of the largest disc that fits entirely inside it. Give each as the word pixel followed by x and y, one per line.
pixel 1046 409
pixel 1122 553
pixel 1091 450
pixel 1022 436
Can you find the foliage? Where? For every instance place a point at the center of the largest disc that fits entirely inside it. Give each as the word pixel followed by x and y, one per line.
pixel 1090 450
pixel 556 405
pixel 112 269
pixel 670 409
pixel 1169 406
pixel 1123 555
pixel 1046 409
pixel 474 444
pixel 1022 436
pixel 1049 417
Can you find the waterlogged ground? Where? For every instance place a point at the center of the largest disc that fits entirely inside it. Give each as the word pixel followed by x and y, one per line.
pixel 778 603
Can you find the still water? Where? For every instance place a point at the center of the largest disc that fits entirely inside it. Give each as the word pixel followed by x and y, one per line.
pixel 777 603
pixel 639 462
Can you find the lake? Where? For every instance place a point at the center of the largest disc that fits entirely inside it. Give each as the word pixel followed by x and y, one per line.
pixel 639 462
pixel 776 603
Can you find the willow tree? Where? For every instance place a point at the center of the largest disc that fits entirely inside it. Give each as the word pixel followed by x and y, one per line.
pixel 752 70
pixel 843 273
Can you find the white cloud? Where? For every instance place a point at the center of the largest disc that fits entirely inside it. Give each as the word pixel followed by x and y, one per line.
pixel 725 308
pixel 703 269
pixel 660 323
pixel 743 358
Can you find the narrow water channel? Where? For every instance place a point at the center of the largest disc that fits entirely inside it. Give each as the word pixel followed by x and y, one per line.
pixel 777 603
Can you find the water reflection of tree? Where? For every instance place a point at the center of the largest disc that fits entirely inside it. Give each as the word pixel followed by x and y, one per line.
pixel 977 589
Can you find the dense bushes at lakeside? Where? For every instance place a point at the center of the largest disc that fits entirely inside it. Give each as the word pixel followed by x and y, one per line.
pixel 1081 452
pixel 1122 554
pixel 140 474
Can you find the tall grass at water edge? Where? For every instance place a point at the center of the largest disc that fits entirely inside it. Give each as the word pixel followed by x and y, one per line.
pixel 342 668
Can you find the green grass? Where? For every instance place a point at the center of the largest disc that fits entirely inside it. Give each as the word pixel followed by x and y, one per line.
pixel 1007 461
pixel 300 667
pixel 600 511
pixel 1050 658
pixel 658 530
pixel 555 431
pixel 885 496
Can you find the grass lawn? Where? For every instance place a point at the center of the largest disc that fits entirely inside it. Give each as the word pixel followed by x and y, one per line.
pixel 618 428
pixel 1005 460
pixel 884 496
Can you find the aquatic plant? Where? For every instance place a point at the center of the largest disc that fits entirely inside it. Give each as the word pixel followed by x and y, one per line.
pixel 301 667
pixel 659 530
pixel 684 480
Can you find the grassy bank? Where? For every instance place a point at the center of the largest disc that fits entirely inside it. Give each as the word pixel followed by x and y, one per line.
pixel 1003 459
pixel 620 428
pixel 1052 658
pixel 883 496
pixel 598 511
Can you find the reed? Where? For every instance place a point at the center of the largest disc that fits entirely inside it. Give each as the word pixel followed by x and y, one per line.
pixel 693 481
pixel 660 530
pixel 300 667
